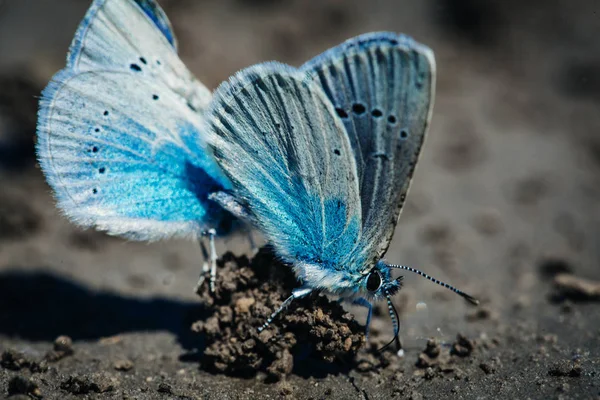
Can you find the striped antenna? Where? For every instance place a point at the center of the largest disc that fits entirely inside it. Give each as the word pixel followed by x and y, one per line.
pixel 467 297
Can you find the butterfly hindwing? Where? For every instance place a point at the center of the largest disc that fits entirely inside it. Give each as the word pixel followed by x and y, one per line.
pixel 123 155
pixel 381 86
pixel 277 137
pixel 134 36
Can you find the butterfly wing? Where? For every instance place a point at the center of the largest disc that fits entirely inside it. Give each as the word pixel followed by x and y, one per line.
pixel 119 131
pixel 278 139
pixel 124 155
pixel 136 36
pixel 158 16
pixel 381 85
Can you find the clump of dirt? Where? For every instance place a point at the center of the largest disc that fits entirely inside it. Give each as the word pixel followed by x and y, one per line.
pixel 247 292
pixel 568 286
pixel 565 368
pixel 123 365
pixel 432 356
pixel 463 347
pixel 20 385
pixel 16 361
pixel 436 359
pixel 63 347
pixel 89 383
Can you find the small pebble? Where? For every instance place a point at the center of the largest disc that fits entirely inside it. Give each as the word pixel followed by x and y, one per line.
pixel 64 344
pixel 123 365
pixel 165 388
pixel 487 368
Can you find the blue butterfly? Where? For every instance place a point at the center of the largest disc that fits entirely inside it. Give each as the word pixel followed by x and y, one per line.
pixel 321 159
pixel 120 131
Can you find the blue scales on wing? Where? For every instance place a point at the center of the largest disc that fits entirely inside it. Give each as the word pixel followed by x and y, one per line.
pixel 277 137
pixel 381 86
pixel 122 158
pixel 120 131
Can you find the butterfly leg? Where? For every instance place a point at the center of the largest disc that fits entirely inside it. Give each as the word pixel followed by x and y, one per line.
pixel 364 303
pixel 209 266
pixel 213 258
pixel 205 265
pixel 297 293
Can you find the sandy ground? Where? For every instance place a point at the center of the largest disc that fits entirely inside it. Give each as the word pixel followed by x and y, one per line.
pixel 504 205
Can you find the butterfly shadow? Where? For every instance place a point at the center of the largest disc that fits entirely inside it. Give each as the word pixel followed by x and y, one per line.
pixel 41 306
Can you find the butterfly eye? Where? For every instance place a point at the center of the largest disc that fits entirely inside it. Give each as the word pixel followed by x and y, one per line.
pixel 373 281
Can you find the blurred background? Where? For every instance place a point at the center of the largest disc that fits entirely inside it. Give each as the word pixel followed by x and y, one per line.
pixel 506 194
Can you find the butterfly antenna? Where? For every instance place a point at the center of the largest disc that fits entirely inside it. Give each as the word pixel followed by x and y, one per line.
pixel 466 296
pixel 394 317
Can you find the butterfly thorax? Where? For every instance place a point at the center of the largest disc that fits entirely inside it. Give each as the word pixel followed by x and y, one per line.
pixel 347 282
pixel 326 277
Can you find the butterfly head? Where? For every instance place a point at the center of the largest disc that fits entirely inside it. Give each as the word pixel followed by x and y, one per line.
pixel 378 283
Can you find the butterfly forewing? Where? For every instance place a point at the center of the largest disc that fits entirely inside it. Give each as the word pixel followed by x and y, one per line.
pixel 278 139
pixel 381 86
pixel 134 36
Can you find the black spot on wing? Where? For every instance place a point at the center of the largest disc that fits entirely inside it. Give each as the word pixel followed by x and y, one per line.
pixel 358 108
pixel 135 67
pixel 341 113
